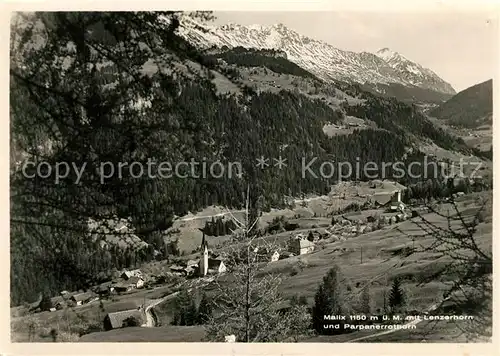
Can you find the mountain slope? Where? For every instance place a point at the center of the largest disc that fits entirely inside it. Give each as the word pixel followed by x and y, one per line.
pixel 146 103
pixel 325 61
pixel 414 73
pixel 470 108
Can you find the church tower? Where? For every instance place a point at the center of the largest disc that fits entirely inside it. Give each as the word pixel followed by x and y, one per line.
pixel 204 257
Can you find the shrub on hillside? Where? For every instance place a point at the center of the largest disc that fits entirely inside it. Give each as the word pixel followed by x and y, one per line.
pixel 64 336
pixel 295 270
pixel 291 226
pixel 276 225
pixel 131 321
pixel 45 303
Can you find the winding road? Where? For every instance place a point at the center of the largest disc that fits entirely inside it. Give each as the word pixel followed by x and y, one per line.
pixel 150 321
pixel 198 217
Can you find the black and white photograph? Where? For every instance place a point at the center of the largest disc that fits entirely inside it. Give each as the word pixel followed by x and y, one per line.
pixel 251 176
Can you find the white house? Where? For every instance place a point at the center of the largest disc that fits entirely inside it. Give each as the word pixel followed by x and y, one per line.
pixel 81 298
pixel 133 273
pixel 264 254
pixel 216 266
pixel 275 256
pixel 136 282
pixel 209 265
pixel 301 247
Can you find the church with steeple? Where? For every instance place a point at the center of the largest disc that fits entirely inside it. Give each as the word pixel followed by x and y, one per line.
pixel 209 265
pixel 204 257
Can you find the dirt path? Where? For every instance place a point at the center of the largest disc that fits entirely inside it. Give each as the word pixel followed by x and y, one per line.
pixel 191 218
pixel 150 322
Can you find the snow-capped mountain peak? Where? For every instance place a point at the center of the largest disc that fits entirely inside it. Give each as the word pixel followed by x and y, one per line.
pixel 413 72
pixel 388 54
pixel 318 57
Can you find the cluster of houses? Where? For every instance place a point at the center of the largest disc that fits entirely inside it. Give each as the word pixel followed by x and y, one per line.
pixel 350 225
pixel 72 299
pixel 208 263
pixel 354 224
pixel 130 280
pixel 127 281
pixel 390 199
pixel 297 245
pixel 301 245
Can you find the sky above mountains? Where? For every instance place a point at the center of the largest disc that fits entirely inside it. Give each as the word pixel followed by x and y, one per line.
pixel 459 47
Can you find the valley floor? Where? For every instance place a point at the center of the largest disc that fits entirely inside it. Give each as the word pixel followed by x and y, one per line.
pixel 372 258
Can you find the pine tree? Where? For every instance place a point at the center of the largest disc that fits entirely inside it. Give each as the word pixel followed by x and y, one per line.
pixel 191 313
pixel 297 300
pixel 396 297
pixel 250 306
pixel 176 318
pixel 53 335
pixel 302 300
pixel 204 310
pixel 182 318
pixel 365 301
pixel 182 305
pixel 329 300
pixel 45 303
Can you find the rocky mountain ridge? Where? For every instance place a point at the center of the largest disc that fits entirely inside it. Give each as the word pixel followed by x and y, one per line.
pixel 383 68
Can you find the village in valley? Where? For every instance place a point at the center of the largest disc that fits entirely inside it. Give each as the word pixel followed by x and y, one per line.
pixel 291 241
pixel 175 177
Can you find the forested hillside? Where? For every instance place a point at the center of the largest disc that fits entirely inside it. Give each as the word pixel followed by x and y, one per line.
pixel 404 120
pixel 96 104
pixel 407 94
pixel 262 58
pixel 470 108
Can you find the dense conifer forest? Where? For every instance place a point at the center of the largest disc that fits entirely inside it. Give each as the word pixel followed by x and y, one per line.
pixel 470 108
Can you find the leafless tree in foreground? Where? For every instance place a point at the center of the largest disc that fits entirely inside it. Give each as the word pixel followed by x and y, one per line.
pixel 468 264
pixel 247 301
